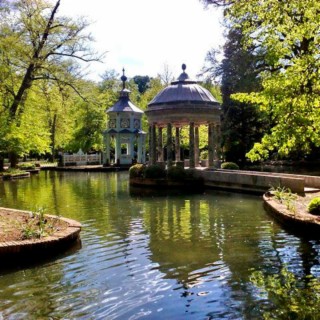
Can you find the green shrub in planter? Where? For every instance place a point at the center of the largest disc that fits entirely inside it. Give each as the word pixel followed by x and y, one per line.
pixel 176 173
pixel 229 166
pixel 314 206
pixel 137 171
pixel 154 172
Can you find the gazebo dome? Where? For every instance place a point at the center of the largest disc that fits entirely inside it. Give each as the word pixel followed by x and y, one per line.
pixel 182 102
pixel 182 91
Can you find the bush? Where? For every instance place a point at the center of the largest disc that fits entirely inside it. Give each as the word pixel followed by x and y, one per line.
pixel 137 171
pixel 314 206
pixel 154 172
pixel 229 166
pixel 26 166
pixel 176 173
pixel 204 155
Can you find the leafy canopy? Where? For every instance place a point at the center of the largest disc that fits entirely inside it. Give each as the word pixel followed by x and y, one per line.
pixel 288 32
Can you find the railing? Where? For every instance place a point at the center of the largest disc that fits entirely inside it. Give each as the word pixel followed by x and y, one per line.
pixel 82 159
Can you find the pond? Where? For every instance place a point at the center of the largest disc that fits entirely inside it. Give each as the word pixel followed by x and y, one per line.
pixel 149 257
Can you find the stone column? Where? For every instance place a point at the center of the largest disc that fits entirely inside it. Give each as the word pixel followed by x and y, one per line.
pixel 211 145
pixel 196 146
pixel 160 145
pixel 191 145
pixel 106 156
pixel 150 143
pixel 139 151
pixel 217 147
pixel 117 149
pixel 154 144
pixel 169 145
pixel 177 146
pixel 132 139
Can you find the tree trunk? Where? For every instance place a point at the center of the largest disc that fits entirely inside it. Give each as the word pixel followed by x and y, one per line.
pixel 53 137
pixel 13 159
pixel 1 163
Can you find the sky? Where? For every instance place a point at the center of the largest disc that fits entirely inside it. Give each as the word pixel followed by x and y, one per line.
pixel 143 36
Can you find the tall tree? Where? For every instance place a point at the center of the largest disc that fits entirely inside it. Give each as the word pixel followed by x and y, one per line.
pixel 243 124
pixel 37 44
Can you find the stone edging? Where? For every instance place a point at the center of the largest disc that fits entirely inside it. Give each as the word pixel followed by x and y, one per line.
pixel 53 242
pixel 302 222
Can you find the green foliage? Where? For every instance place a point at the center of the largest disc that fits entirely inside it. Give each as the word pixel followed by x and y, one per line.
pixel 284 195
pixel 38 225
pixel 155 172
pixel 26 166
pixel 288 34
pixel 39 51
pixel 12 172
pixel 142 82
pixel 137 171
pixel 204 154
pixel 314 206
pixel 243 123
pixel 176 173
pixel 288 296
pixel 229 166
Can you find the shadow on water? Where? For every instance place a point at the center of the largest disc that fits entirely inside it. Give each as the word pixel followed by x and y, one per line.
pixel 13 262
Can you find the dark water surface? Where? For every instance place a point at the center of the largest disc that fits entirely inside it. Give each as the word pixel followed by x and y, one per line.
pixel 160 257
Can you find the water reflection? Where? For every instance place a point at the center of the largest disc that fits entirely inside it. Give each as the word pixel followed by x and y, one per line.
pixel 160 257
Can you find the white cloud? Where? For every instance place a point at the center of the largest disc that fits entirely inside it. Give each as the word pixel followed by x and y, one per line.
pixel 143 35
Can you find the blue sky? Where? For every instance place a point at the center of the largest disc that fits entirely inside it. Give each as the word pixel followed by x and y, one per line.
pixel 144 35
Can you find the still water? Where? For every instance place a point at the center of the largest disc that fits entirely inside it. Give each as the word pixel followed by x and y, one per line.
pixel 148 257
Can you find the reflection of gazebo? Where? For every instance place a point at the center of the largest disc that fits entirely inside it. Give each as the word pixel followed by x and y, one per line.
pixel 183 103
pixel 124 126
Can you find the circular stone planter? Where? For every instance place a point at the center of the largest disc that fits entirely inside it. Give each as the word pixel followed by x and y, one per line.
pixel 34 249
pixel 299 221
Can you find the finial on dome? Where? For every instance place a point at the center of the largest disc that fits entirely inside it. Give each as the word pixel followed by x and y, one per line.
pixel 184 67
pixel 123 79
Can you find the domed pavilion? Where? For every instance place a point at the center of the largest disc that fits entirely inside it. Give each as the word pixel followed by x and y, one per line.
pixel 124 128
pixel 183 103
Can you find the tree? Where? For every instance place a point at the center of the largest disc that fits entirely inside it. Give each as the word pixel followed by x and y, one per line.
pixel 142 82
pixel 89 120
pixel 242 123
pixel 36 44
pixel 166 75
pixel 288 32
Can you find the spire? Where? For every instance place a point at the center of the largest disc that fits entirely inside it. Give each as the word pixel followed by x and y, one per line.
pixel 183 76
pixel 124 93
pixel 123 79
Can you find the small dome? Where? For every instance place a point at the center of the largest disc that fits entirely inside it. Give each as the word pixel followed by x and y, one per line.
pixel 183 90
pixel 124 104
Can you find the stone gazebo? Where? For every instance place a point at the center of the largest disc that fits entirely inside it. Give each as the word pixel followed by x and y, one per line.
pixel 183 103
pixel 124 126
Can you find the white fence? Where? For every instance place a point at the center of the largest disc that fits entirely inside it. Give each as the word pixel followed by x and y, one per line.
pixel 81 158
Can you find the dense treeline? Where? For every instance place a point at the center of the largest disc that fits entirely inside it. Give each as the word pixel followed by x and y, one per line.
pixel 46 103
pixel 269 78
